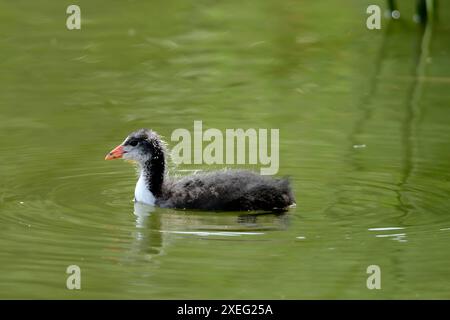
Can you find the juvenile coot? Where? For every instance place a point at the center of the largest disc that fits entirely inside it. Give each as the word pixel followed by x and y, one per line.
pixel 228 190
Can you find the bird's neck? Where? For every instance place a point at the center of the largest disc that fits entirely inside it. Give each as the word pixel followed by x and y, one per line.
pixel 151 178
pixel 153 171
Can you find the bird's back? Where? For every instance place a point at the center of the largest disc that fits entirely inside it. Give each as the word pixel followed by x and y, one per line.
pixel 227 190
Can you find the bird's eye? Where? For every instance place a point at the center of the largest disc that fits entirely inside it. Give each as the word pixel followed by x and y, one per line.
pixel 133 143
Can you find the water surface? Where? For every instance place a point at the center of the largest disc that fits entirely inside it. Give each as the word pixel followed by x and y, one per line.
pixel 364 135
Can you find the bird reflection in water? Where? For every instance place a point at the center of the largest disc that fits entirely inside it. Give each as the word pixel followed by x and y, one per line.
pixel 156 227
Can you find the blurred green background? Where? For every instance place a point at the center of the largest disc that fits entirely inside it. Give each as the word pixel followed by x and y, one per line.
pixel 364 135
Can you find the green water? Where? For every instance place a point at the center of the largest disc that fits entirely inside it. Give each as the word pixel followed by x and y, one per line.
pixel 364 135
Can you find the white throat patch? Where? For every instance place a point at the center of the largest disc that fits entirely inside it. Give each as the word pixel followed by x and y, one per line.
pixel 141 193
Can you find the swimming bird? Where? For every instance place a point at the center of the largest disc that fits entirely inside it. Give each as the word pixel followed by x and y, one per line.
pixel 227 190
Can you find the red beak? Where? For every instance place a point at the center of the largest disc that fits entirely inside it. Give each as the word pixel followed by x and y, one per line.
pixel 115 153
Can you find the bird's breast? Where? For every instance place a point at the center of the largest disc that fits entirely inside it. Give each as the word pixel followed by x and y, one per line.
pixel 141 192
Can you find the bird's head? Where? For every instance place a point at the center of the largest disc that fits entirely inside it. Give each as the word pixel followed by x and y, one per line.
pixel 140 146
